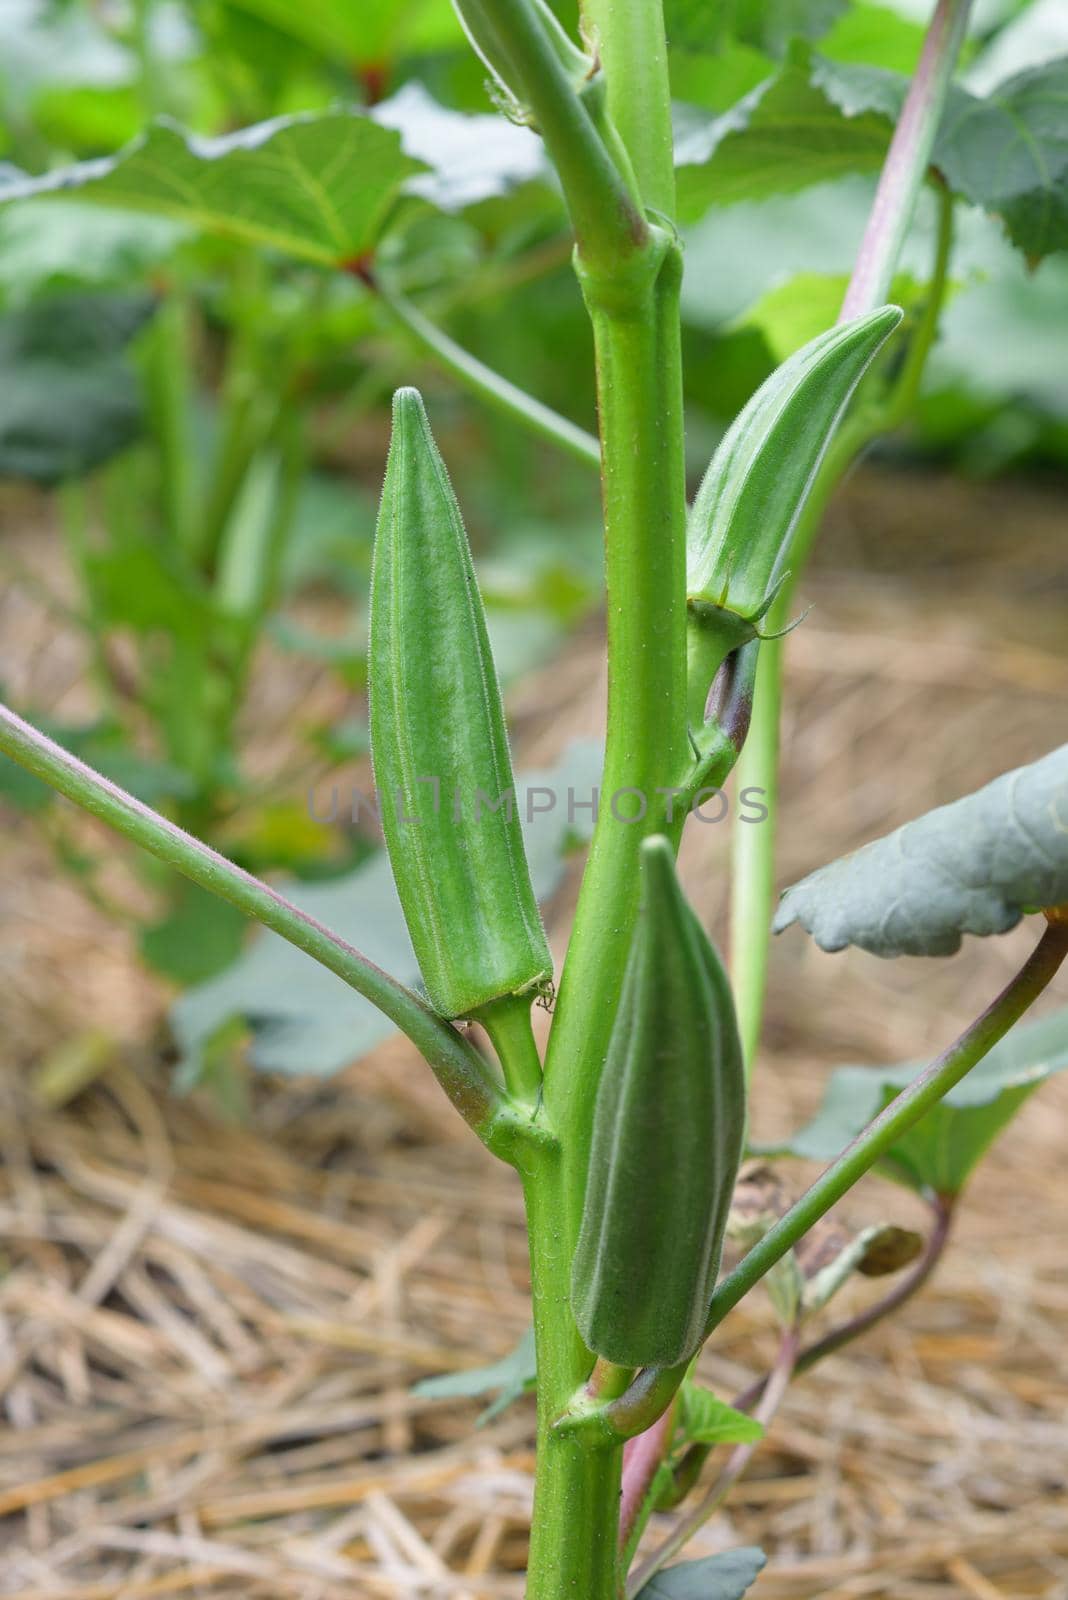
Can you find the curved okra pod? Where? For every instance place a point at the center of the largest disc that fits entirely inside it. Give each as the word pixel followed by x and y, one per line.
pixel 667 1139
pixel 743 519
pixel 439 745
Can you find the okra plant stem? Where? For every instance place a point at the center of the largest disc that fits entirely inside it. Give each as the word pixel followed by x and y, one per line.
pixel 460 1070
pixel 770 1399
pixel 752 853
pixel 905 167
pixel 628 36
pixel 605 213
pixel 630 271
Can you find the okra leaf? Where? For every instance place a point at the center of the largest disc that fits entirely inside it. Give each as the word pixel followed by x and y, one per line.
pixel 723 1577
pixel 315 186
pixel 303 1019
pixel 785 135
pixel 199 936
pixel 706 1419
pixel 373 32
pixel 942 1150
pixel 1009 154
pixel 974 866
pixel 472 157
pixel 69 400
pixel 817 119
pixel 513 1375
pixel 767 25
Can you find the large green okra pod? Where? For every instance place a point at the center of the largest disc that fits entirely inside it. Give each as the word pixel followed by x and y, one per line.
pixel 667 1139
pixel 439 745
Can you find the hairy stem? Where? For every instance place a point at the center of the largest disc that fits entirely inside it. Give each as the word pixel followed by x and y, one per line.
pixel 753 853
pixel 629 37
pixel 459 1069
pixel 488 385
pixel 630 272
pixel 507 1021
pixel 906 162
pixel 605 213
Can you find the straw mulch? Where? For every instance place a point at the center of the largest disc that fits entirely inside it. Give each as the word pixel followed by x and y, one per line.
pixel 209 1332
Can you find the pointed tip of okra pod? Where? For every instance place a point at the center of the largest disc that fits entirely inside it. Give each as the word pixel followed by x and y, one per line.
pixel 408 402
pixel 883 318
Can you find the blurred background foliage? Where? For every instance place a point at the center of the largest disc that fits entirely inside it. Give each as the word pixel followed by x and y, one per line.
pixel 201 327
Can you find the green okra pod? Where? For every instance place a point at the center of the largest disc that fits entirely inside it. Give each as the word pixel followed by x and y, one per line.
pixel 747 508
pixel 439 745
pixel 668 1133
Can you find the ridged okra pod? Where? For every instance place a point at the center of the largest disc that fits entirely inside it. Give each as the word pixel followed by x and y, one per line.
pixel 667 1139
pixel 439 745
pixel 743 519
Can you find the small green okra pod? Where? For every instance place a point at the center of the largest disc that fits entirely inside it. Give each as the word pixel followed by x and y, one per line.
pixel 439 745
pixel 747 508
pixel 668 1132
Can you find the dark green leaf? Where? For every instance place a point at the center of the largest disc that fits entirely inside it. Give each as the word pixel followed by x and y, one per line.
pixel 817 119
pixel 1009 153
pixel 705 1419
pixel 724 1577
pixel 68 399
pixel 513 1375
pixel 943 1149
pixel 785 135
pixel 971 867
pixel 140 586
pixel 767 25
pixel 373 33
pixel 314 186
pixel 303 1018
pixel 200 936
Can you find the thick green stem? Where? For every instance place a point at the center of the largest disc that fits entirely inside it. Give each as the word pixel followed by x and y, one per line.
pixel 489 385
pixel 460 1070
pixel 630 272
pixel 573 1542
pixel 170 398
pixel 629 37
pixel 605 213
pixel 646 749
